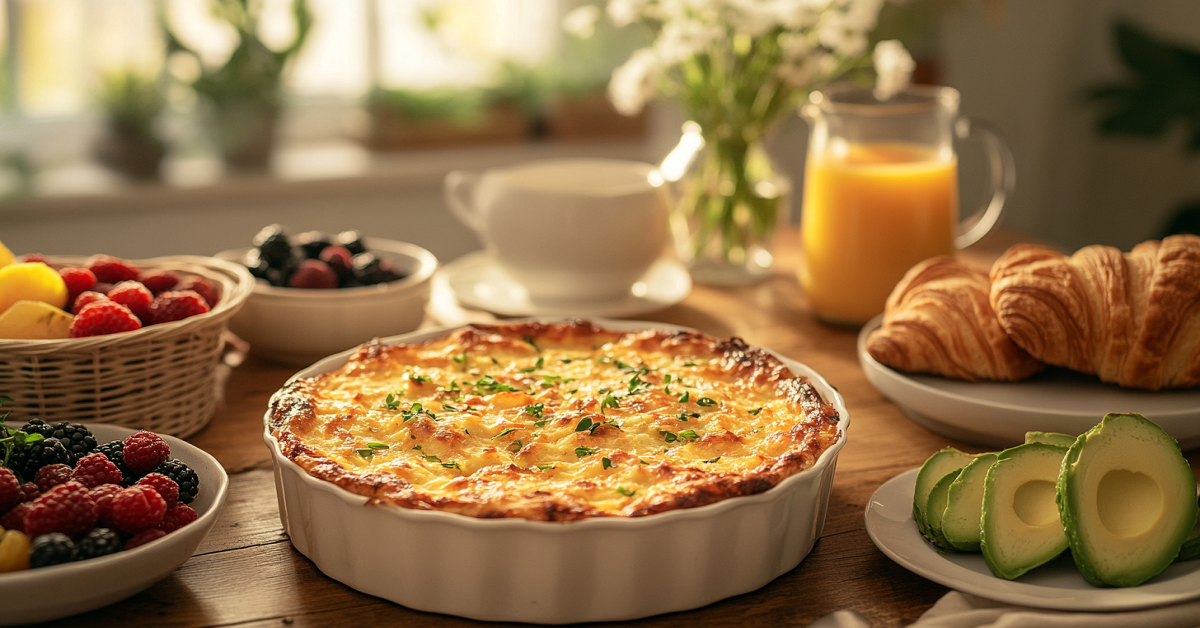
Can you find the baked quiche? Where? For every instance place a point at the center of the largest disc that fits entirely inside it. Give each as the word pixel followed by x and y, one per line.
pixel 554 422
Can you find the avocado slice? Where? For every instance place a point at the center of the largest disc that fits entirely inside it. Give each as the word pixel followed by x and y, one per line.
pixel 936 508
pixel 1191 547
pixel 1020 526
pixel 934 469
pixel 964 509
pixel 1050 438
pixel 1127 498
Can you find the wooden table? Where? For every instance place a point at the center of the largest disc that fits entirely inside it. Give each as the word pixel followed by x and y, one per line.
pixel 246 572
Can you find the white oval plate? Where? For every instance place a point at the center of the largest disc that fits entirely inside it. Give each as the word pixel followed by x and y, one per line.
pixel 1055 585
pixel 38 595
pixel 997 414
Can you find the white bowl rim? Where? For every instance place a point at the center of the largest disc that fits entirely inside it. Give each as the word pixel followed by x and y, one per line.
pixel 427 264
pixel 827 457
pixel 48 574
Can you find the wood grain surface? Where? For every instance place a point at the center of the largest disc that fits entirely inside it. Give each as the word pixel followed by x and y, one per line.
pixel 246 573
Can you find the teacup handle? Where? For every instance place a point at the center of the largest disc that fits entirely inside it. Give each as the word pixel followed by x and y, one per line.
pixel 460 197
pixel 1003 174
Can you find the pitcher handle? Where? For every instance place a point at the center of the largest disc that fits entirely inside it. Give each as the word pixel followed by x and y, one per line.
pixel 1003 175
pixel 460 195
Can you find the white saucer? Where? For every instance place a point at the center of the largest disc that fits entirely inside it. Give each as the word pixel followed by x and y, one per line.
pixel 477 282
pixel 1054 585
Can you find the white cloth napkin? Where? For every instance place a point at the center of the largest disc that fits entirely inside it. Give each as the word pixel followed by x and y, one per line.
pixel 961 610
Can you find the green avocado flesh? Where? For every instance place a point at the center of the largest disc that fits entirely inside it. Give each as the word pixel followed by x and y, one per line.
pixel 1050 438
pixel 964 506
pixel 1191 547
pixel 938 499
pixel 1020 526
pixel 1127 498
pixel 935 468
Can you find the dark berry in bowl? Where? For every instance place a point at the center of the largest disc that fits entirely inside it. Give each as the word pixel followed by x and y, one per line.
pixel 311 243
pixel 313 274
pixel 353 241
pixel 273 245
pixel 54 548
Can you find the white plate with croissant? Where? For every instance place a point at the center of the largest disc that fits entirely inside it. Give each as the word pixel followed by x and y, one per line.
pixel 1045 342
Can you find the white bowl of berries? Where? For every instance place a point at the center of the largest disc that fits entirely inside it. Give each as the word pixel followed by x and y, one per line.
pixel 93 529
pixel 320 294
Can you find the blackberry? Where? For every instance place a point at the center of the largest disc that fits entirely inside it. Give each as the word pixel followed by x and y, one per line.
pixel 99 542
pixel 311 243
pixel 38 426
pixel 53 548
pixel 78 439
pixel 188 481
pixel 353 242
pixel 115 450
pixel 33 456
pixel 273 245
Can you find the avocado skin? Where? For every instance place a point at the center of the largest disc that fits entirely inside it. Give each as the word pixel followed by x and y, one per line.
pixel 1068 508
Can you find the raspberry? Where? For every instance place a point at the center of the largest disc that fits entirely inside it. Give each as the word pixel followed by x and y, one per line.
pixel 99 542
pixel 51 476
pixel 66 508
pixel 86 299
pixel 157 281
pixel 78 280
pixel 184 477
pixel 26 460
pixel 137 508
pixel 96 469
pixel 134 296
pixel 313 274
pixel 200 286
pixel 145 450
pixel 103 318
pixel 102 287
pixel 340 260
pixel 177 517
pixel 15 518
pixel 176 306
pixel 144 537
pixel 54 548
pixel 109 269
pixel 34 257
pixel 76 437
pixel 166 487
pixel 115 451
pixel 10 489
pixel 30 492
pixel 102 495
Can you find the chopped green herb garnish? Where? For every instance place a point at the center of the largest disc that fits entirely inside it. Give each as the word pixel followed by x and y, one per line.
pixel 586 423
pixel 689 363
pixel 535 410
pixel 636 384
pixel 689 434
pixel 487 383
pixel 533 368
pixel 541 423
pixel 604 359
pixel 640 461
pixel 418 378
pixel 584 451
pixel 685 396
pixel 432 459
pixel 606 463
pixel 365 454
pixel 516 446
pixel 712 460
pixel 706 401
pixel 609 402
pixel 533 344
pixel 667 378
pixel 626 492
pixel 453 387
pixel 377 446
pixel 506 431
pixel 450 408
pixel 392 402
pixel 451 465
pixel 460 358
pixel 417 447
pixel 415 411
pixel 495 361
pixel 669 436
pixel 755 411
pixel 545 467
pixel 683 416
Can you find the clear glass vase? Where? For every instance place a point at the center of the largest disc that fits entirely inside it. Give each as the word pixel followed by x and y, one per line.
pixel 731 202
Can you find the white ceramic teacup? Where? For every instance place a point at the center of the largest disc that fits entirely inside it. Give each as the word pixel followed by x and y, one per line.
pixel 568 230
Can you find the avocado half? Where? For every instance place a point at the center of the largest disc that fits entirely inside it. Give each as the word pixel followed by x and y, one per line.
pixel 1126 497
pixel 964 508
pixel 948 460
pixel 1020 527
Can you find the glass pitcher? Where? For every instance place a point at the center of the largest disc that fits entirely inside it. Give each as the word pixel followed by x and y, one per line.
pixel 881 193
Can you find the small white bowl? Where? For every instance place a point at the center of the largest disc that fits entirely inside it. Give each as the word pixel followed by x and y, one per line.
pixel 599 569
pixel 90 584
pixel 298 326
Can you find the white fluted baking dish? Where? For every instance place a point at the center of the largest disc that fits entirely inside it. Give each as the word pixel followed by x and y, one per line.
pixel 598 569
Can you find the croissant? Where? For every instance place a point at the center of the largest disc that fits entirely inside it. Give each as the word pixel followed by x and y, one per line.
pixel 1132 319
pixel 938 320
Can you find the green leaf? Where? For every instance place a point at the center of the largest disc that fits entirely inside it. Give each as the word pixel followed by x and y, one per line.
pixel 450 408
pixel 626 492
pixel 365 454
pixel 417 447
pixel 432 459
pixel 451 465
pixel 377 445
pixel 706 401
pixel 487 383
pixel 533 368
pixel 584 424
pixel 712 460
pixel 609 402
pixel 684 397
pixel 392 402
pixel 689 434
pixel 606 463
pixel 541 423
pixel 535 410
pixel 755 411
pixel 640 461
pixel 545 467
pixel 584 451
pixel 516 446
pixel 418 378
pixel 533 344
pixel 506 431
pixel 670 437
pixel 460 358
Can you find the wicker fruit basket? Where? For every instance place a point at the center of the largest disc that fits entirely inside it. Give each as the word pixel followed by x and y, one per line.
pixel 161 378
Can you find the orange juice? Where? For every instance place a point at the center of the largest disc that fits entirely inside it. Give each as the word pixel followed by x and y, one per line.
pixel 870 213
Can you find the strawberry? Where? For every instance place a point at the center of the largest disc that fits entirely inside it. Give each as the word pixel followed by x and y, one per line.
pixel 134 296
pixel 176 306
pixel 159 281
pixel 109 269
pixel 200 286
pixel 78 280
pixel 103 317
pixel 85 299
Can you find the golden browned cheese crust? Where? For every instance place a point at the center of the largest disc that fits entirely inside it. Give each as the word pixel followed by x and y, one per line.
pixel 555 422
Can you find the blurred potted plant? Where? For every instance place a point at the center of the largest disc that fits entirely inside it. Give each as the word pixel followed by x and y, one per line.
pixel 243 96
pixel 578 107
pixel 132 102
